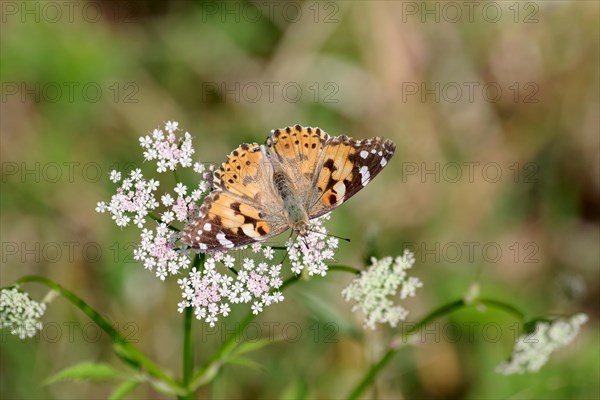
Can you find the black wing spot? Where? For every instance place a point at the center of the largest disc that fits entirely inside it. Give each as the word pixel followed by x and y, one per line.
pixel 235 206
pixel 298 128
pixel 288 130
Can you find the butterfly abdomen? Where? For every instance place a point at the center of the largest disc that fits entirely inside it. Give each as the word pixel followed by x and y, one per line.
pixel 291 201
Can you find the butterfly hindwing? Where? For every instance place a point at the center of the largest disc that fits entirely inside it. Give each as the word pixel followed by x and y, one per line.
pixel 345 167
pixel 225 222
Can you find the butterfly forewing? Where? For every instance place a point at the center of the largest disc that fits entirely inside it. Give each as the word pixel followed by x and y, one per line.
pixel 345 167
pixel 297 149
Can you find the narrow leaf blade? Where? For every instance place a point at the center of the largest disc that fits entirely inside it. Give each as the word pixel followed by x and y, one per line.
pixel 85 371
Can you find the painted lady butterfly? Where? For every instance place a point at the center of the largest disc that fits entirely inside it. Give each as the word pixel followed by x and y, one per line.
pixel 300 174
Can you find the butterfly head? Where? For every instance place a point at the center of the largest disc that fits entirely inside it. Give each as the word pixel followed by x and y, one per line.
pixel 300 227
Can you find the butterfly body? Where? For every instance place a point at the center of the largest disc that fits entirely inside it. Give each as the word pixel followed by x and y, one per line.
pixel 300 174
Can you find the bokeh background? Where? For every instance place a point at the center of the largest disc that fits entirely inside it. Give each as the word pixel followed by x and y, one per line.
pixel 493 106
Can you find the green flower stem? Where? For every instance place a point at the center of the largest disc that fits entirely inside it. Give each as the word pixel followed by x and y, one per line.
pixel 188 359
pixel 344 268
pixel 500 305
pixel 212 366
pixel 188 351
pixel 138 358
pixel 449 308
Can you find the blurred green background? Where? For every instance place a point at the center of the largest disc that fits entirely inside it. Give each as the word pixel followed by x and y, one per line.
pixel 493 106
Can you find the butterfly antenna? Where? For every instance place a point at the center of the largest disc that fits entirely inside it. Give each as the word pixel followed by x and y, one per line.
pixel 329 234
pixel 287 252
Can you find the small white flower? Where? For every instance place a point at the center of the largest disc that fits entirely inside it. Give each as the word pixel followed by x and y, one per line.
pixel 171 126
pixel 256 307
pixel 19 313
pixel 199 168
pixel 101 207
pixel 180 189
pixel 374 290
pixel 268 252
pixel 229 261
pixel 167 200
pixel 115 176
pixel 533 350
pixel 168 217
pixel 136 174
pixel 145 141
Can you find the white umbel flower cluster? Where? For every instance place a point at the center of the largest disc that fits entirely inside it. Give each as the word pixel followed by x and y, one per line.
pixel 211 292
pixel 19 313
pixel 375 290
pixel 138 202
pixel 311 252
pixel 167 149
pixel 532 350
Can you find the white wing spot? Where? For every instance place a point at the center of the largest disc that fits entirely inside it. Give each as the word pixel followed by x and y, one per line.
pixel 203 246
pixel 380 153
pixel 364 171
pixel 383 162
pixel 249 231
pixel 340 189
pixel 224 241
pixel 373 151
pixel 364 154
pixel 207 227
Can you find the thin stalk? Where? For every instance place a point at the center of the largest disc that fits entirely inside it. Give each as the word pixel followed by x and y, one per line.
pixel 344 268
pixel 188 359
pixel 449 308
pixel 138 358
pixel 211 367
pixel 188 350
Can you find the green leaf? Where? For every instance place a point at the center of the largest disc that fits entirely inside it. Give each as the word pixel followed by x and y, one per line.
pixel 248 347
pixel 124 389
pixel 245 362
pixel 205 376
pixel 85 371
pixel 322 311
